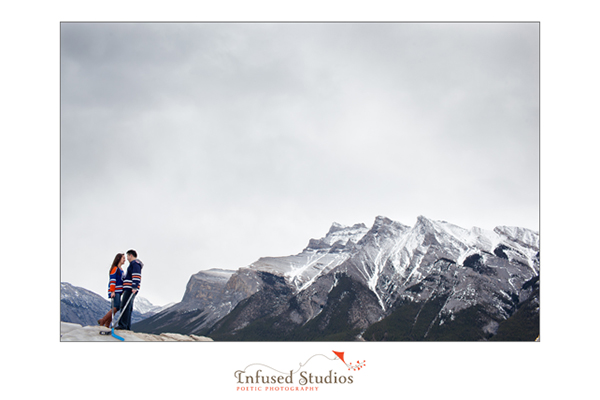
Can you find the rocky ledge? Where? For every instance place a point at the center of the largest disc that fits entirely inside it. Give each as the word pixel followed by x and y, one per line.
pixel 76 333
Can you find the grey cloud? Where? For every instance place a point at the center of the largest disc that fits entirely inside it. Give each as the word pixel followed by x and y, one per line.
pixel 286 127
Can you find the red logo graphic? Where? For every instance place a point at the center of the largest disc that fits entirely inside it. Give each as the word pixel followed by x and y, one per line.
pixel 355 367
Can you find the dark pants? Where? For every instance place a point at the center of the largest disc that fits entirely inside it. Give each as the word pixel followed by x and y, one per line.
pixel 125 319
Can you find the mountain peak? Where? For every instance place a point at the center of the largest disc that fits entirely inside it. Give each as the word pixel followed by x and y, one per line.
pixel 340 234
pixel 382 224
pixel 381 220
pixel 335 227
pixel 421 219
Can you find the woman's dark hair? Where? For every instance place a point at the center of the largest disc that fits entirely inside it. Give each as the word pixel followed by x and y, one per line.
pixel 132 252
pixel 116 260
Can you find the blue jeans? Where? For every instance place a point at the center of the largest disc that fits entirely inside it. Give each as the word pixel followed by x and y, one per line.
pixel 116 301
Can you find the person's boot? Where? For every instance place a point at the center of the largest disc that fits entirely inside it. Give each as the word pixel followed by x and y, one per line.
pixel 102 321
pixel 106 320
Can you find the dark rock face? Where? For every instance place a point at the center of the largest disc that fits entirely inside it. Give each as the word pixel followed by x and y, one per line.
pixel 209 296
pixel 431 281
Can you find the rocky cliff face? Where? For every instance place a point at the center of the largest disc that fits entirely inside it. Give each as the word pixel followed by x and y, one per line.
pixel 356 281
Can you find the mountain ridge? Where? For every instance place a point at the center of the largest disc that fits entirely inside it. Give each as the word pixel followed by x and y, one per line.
pixel 432 265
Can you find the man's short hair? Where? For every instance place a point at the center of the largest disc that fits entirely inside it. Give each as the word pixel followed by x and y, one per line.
pixel 132 252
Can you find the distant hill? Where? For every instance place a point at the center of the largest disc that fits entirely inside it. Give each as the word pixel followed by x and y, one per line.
pixel 84 307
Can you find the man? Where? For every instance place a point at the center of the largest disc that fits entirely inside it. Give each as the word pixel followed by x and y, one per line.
pixel 131 285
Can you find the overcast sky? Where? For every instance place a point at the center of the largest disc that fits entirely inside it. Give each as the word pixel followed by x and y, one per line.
pixel 210 145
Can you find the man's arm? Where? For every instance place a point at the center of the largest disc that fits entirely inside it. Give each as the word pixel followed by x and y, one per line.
pixel 136 277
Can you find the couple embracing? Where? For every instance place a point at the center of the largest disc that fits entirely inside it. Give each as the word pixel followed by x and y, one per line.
pixel 122 289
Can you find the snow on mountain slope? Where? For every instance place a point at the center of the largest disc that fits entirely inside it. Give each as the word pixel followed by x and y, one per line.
pixel 319 257
pixel 144 306
pixel 391 258
pixel 389 264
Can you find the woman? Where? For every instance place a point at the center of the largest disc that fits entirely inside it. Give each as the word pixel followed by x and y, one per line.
pixel 115 288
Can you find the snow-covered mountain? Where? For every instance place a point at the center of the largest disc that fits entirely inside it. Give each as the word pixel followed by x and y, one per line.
pixel 84 307
pixel 319 257
pixel 357 278
pixel 392 257
pixel 147 309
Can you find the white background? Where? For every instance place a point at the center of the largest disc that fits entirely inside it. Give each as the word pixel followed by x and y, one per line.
pixel 37 365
